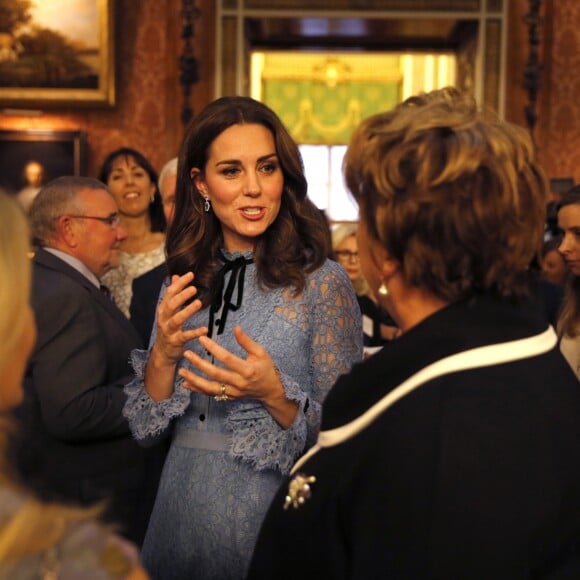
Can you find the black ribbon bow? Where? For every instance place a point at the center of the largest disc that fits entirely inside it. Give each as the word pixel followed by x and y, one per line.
pixel 238 270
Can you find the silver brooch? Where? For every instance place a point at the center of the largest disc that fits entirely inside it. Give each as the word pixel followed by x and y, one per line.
pixel 299 490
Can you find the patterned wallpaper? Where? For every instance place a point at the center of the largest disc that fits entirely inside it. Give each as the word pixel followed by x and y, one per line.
pixel 149 99
pixel 146 116
pixel 559 138
pixel 138 120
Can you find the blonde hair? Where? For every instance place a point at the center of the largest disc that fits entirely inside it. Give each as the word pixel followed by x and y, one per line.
pixel 15 276
pixel 34 527
pixel 339 234
pixel 457 200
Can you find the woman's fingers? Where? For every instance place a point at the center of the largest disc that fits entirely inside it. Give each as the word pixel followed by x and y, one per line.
pixel 254 377
pixel 179 318
pixel 222 355
pixel 177 304
pixel 176 307
pixel 233 369
pixel 215 376
pixel 250 346
pixel 178 293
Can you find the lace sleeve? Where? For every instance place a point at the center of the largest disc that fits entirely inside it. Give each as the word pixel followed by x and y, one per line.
pixel 337 339
pixel 148 419
pixel 335 328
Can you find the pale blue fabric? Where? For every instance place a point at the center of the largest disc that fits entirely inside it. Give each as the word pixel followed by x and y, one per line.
pixel 210 504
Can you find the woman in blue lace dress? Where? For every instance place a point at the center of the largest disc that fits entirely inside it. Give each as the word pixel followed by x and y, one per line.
pixel 252 330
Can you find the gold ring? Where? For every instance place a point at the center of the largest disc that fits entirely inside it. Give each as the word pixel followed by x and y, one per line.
pixel 222 395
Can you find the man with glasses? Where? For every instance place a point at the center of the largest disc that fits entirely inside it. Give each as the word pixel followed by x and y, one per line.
pixel 77 445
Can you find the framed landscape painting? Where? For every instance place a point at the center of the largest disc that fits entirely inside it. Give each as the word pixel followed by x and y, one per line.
pixel 56 53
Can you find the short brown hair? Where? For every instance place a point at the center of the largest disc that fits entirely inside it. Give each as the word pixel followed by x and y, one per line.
pixel 457 200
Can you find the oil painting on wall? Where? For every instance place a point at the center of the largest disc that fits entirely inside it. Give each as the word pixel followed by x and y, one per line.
pixel 29 159
pixel 56 52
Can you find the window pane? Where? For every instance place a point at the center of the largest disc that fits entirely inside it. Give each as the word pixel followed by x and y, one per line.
pixel 323 170
pixel 342 206
pixel 316 169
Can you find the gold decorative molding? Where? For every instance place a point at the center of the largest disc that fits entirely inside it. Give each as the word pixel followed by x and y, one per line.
pixel 329 69
pixel 308 122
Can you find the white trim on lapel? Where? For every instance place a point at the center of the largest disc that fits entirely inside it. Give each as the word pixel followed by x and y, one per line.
pixel 483 356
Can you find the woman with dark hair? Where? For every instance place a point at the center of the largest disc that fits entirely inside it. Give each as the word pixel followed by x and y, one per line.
pixel 252 329
pixel 132 181
pixel 552 263
pixel 568 212
pixel 452 452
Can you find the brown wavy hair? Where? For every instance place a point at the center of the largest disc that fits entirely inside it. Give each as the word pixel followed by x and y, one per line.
pixel 457 200
pixel 295 244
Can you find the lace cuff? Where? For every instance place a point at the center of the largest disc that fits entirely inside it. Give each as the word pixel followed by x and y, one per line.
pixel 259 440
pixel 148 418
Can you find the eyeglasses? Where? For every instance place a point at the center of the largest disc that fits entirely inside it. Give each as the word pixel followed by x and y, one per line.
pixel 347 255
pixel 112 220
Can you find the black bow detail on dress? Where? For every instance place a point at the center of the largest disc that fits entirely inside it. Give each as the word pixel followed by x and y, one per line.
pixel 238 270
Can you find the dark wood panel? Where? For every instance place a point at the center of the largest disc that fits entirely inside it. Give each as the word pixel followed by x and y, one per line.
pixel 356 33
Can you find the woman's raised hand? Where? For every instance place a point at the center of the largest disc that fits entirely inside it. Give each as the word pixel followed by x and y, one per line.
pixel 167 350
pixel 172 313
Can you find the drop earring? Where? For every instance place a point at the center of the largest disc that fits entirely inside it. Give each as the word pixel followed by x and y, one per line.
pixel 206 205
pixel 383 290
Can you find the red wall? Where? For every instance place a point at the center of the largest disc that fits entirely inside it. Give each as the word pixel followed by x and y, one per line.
pixel 559 147
pixel 149 99
pixel 147 114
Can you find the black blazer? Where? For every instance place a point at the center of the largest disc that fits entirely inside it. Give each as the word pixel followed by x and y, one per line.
pixel 146 289
pixel 473 475
pixel 77 445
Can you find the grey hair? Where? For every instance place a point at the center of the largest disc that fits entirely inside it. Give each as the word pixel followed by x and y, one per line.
pixel 170 168
pixel 58 197
pixel 341 232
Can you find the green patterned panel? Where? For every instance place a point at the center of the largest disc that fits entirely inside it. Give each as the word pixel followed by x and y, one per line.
pixel 315 113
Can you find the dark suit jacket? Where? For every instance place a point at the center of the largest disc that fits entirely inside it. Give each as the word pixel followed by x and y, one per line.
pixel 552 297
pixel 143 306
pixel 77 444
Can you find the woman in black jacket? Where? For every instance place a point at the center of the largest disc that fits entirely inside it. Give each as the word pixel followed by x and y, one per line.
pixel 453 452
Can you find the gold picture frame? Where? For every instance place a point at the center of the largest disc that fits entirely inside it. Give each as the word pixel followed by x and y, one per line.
pixel 58 53
pixel 57 153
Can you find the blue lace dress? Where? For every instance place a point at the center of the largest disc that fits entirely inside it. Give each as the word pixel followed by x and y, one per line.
pixel 227 459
